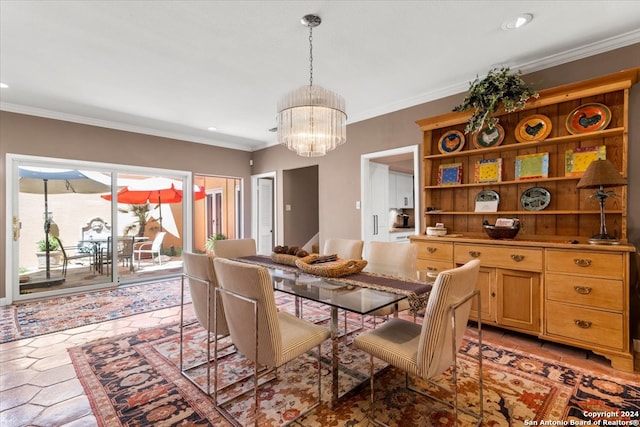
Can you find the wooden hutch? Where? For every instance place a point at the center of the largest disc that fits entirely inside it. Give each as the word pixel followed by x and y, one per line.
pixel 548 281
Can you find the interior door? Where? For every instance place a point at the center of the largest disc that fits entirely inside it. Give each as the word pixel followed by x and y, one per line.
pixel 265 216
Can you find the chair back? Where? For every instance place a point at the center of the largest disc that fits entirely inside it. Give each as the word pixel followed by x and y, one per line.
pixel 201 278
pixel 250 281
pixel 344 248
pixel 450 287
pixel 126 245
pixel 393 259
pixel 234 248
pixel 156 246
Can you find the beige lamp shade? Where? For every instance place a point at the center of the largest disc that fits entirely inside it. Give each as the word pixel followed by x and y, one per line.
pixel 601 173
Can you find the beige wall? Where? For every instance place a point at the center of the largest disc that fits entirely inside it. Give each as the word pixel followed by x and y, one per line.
pixel 29 135
pixel 339 171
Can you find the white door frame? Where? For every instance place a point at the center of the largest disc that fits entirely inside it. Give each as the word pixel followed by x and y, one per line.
pixel 364 179
pixel 254 205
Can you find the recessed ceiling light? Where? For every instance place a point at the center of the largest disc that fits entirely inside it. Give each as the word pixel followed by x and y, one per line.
pixel 4 85
pixel 517 22
pixel 212 128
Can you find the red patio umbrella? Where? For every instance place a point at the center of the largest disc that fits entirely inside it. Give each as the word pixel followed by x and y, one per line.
pixel 154 190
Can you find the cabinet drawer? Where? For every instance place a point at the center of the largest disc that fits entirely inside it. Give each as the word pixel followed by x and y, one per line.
pixel 598 264
pixel 432 268
pixel 590 326
pixel 511 257
pixel 435 250
pixel 588 291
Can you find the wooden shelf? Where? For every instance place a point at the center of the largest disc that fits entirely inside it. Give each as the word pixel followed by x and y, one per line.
pixel 524 145
pixel 492 184
pixel 542 212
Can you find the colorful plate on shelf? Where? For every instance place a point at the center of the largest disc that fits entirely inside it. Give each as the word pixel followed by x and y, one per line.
pixel 451 142
pixel 486 137
pixel 487 196
pixel 533 128
pixel 535 199
pixel 588 118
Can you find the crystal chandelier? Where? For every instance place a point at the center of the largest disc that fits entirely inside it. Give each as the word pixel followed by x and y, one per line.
pixel 311 119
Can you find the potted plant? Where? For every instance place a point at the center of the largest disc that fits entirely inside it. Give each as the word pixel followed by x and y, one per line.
pixel 55 254
pixel 209 244
pixel 140 212
pixel 498 88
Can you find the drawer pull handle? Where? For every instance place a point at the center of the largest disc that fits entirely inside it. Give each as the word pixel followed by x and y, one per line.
pixel 584 324
pixel 517 258
pixel 431 250
pixel 582 262
pixel 584 290
pixel 474 254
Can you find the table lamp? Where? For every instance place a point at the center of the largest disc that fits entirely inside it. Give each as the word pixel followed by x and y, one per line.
pixel 602 174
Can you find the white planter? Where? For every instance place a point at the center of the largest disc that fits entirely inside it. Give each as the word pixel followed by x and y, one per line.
pixel 55 258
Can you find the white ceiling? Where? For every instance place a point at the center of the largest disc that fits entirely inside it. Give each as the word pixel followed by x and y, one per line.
pixel 175 68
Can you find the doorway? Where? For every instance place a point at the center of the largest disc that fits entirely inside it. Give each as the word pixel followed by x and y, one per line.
pixel 263 216
pixel 377 214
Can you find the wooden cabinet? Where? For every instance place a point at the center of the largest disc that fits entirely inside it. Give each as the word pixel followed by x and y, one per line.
pixel 548 281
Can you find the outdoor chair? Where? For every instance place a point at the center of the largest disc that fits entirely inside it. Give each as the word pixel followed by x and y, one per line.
pixel 234 248
pixel 199 275
pixel 125 251
pixel 72 253
pixel 430 349
pixel 265 336
pixel 396 260
pixel 154 248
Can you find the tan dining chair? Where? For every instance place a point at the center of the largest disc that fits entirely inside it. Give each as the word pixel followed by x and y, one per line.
pixel 234 248
pixel 396 260
pixel 428 350
pixel 200 276
pixel 265 336
pixel 154 248
pixel 344 248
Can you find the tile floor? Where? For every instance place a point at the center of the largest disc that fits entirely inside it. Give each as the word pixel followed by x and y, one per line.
pixel 39 387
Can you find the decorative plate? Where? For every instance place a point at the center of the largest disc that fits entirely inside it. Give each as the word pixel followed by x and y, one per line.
pixel 533 128
pixel 487 196
pixel 451 142
pixel 489 170
pixel 532 166
pixel 535 199
pixel 486 137
pixel 577 160
pixel 450 174
pixel 588 118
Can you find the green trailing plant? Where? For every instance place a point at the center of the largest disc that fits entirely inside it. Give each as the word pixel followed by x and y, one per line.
pixel 209 244
pixel 498 88
pixel 53 245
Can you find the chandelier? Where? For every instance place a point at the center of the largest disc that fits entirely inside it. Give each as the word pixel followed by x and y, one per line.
pixel 311 119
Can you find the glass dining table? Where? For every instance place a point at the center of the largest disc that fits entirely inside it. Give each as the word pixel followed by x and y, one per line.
pixel 361 294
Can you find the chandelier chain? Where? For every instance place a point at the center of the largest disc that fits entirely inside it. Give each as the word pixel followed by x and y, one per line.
pixel 310 56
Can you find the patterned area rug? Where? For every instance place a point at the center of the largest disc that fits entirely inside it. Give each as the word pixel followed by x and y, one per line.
pixel 31 319
pixel 134 380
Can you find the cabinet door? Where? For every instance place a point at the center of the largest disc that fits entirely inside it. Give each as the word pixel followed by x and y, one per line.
pixel 404 191
pixel 486 286
pixel 377 225
pixel 393 191
pixel 518 299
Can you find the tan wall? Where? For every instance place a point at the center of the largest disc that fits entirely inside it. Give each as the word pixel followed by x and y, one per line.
pixel 339 171
pixel 29 135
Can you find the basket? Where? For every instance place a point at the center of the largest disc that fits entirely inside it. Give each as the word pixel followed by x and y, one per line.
pixel 285 259
pixel 339 268
pixel 501 232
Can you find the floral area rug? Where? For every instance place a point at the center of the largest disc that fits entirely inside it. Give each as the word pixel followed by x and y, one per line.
pixel 31 319
pixel 134 380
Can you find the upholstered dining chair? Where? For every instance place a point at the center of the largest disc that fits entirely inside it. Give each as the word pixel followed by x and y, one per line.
pixel 265 336
pixel 234 248
pixel 392 259
pixel 154 248
pixel 200 276
pixel 429 349
pixel 344 248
